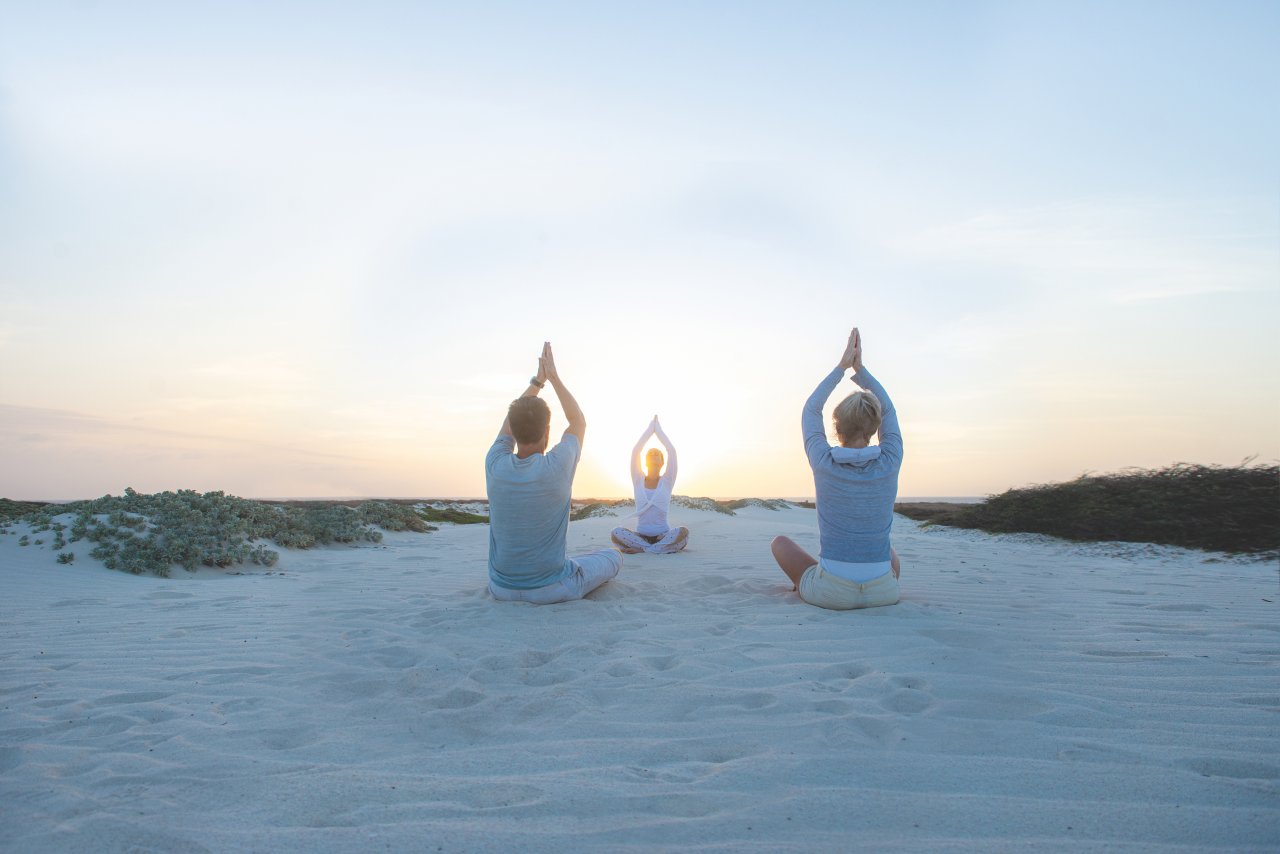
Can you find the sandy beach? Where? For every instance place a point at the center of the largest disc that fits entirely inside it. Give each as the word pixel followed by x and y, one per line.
pixel 1026 694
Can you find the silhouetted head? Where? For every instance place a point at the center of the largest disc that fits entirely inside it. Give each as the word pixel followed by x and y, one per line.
pixel 530 419
pixel 653 461
pixel 857 418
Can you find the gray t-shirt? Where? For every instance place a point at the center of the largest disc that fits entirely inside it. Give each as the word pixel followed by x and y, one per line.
pixel 529 512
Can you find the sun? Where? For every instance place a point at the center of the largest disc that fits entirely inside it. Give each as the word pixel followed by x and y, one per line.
pixel 605 471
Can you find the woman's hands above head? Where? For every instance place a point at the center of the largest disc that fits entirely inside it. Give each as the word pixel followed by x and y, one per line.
pixel 852 357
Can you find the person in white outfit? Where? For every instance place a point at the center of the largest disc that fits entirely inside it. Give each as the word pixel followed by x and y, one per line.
pixel 653 497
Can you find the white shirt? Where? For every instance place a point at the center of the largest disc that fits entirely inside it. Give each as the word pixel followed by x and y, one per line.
pixel 652 504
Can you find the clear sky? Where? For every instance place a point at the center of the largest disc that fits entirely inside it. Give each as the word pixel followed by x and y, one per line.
pixel 313 249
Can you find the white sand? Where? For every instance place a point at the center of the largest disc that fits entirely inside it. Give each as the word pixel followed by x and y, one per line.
pixel 1026 694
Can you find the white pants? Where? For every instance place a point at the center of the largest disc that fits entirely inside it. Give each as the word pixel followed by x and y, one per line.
pixel 589 572
pixel 672 541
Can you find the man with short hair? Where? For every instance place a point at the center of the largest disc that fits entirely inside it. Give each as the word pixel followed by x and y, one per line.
pixel 529 490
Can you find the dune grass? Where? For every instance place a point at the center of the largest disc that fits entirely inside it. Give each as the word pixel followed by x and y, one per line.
pixel 452 514
pixel 141 533
pixel 1233 509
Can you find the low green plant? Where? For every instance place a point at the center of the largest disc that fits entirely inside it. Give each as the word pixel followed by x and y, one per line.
pixel 1218 508
pixel 140 533
pixel 10 509
pixel 451 514
pixel 587 511
pixel 66 557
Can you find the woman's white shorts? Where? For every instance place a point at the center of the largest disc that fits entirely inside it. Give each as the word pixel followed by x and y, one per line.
pixel 839 594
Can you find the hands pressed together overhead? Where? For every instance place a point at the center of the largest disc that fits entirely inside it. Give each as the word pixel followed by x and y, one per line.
pixel 547 365
pixel 852 357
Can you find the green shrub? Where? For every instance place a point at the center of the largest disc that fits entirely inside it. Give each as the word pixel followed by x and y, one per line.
pixel 150 533
pixel 451 514
pixel 1229 509
pixel 10 509
pixel 66 557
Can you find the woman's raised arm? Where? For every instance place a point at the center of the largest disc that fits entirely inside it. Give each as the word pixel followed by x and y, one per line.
pixel 636 469
pixel 671 450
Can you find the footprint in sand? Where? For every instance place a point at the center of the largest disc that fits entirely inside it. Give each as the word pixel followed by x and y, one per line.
pixel 649 775
pixel 661 663
pixel 839 708
pixel 492 796
pixel 1240 769
pixel 132 697
pixel 911 698
pixel 1264 701
pixel 537 658
pixel 396 657
pixel 849 671
pixel 1125 653
pixel 458 698
pixel 541 678
pixel 854 730
pixel 959 638
pixel 287 738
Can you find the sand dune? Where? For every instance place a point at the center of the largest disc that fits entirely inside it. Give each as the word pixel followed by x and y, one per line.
pixel 1027 693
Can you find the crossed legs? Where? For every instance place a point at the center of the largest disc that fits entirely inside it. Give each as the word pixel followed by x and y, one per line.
pixel 632 543
pixel 795 560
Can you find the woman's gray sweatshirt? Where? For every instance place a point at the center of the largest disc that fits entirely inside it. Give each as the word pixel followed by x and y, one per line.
pixel 855 487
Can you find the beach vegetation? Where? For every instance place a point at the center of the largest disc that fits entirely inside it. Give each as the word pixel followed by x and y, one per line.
pixel 591 510
pixel 141 533
pixel 1232 509
pixel 24 540
pixel 10 509
pixel 451 514
pixel 702 504
pixel 765 503
pixel 66 557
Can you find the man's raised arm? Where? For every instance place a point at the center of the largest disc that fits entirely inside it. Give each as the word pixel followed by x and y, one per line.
pixel 535 386
pixel 572 412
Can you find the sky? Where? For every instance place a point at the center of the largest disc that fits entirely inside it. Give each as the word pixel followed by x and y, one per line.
pixel 313 249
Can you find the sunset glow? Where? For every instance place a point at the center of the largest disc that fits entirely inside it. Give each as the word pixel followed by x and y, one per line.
pixel 322 265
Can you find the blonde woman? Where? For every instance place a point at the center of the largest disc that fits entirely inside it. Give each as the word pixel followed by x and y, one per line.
pixel 652 490
pixel 856 484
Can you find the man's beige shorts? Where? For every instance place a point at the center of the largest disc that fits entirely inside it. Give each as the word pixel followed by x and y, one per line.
pixel 831 591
